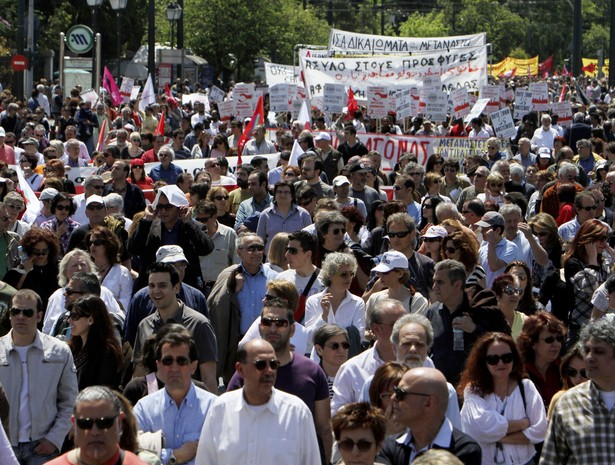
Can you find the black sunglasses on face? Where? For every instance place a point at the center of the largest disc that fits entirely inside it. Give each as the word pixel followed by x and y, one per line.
pixel 278 322
pixel 400 393
pixel 101 423
pixel 494 359
pixel 93 207
pixel 292 250
pixel 164 206
pixel 400 234
pixel 95 242
pixel 27 312
pixel 347 445
pixel 260 365
pixel 254 248
pixel 76 316
pixel 573 372
pixel 337 345
pixel 70 292
pixel 552 339
pixel 63 207
pixel 181 361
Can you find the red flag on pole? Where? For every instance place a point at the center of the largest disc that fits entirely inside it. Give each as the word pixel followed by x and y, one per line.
pixel 590 68
pixel 352 104
pixel 562 96
pixel 100 145
pixel 546 66
pixel 111 87
pixel 172 100
pixel 160 128
pixel 258 117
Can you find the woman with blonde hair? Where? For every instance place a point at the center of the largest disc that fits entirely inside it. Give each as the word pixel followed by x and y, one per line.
pixel 494 189
pixel 277 252
pixel 219 197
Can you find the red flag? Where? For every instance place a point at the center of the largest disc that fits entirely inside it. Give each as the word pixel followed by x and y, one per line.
pixel 111 87
pixel 565 71
pixel 160 129
pixel 591 68
pixel 172 100
pixel 546 66
pixel 352 104
pixel 562 96
pixel 100 145
pixel 258 117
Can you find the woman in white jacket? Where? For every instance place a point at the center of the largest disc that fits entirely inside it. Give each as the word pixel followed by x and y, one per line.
pixel 502 409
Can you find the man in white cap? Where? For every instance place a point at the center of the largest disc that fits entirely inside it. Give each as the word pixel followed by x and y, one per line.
pixel 341 188
pixel 7 154
pixel 496 251
pixel 332 160
pixel 45 212
pixel 168 221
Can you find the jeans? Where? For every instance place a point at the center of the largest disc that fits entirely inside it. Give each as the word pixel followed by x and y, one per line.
pixel 26 456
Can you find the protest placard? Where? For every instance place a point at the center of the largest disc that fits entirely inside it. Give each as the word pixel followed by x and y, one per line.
pixel 503 123
pixel 523 103
pixel 377 97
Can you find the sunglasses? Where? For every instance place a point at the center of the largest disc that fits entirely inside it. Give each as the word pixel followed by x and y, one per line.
pixel 552 339
pixel 337 345
pixel 92 207
pixel 221 197
pixel 212 165
pixel 400 234
pixel 181 361
pixel 70 292
pixel 337 231
pixel 27 312
pixel 400 393
pixel 397 188
pixel 203 220
pixel 260 365
pixel 541 234
pixel 101 423
pixel 254 248
pixel 346 274
pixel 292 250
pixel 40 253
pixel 415 174
pixel 76 316
pixel 347 445
pixel 512 290
pixel 573 372
pixel 450 250
pixel 289 173
pixel 63 208
pixel 278 322
pixel 433 239
pixel 137 167
pixel 589 209
pixel 496 185
pixel 165 206
pixel 95 242
pixel 494 359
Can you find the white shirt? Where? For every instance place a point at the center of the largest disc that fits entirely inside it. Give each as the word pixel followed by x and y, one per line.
pixel 505 250
pixel 351 312
pixel 83 151
pixel 279 432
pixel 544 138
pixel 486 420
pixel 119 281
pixel 79 216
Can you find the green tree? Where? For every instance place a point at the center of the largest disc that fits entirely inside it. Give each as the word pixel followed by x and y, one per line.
pixel 432 24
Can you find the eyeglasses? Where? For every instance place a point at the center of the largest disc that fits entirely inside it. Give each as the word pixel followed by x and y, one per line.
pixel 493 359
pixel 13 206
pixel 337 231
pixel 400 234
pixel 512 290
pixel 163 154
pixel 27 312
pixel 346 274
pixel 93 207
pixel 433 239
pixel 400 393
pixel 76 316
pixel 573 372
pixel 450 250
pixel 588 209
pixel 95 242
pixel 427 206
pixel 337 345
pixel 203 220
pixel 63 207
pixel 278 322
pixel 289 173
pixel 181 361
pixel 40 252
pixel 254 248
pixel 221 197
pixel 552 339
pixel 137 167
pixel 135 140
pixel 347 445
pixel 292 250
pixel 165 206
pixel 541 233
pixel 70 292
pixel 397 188
pixel 212 165
pixel 101 423
pixel 496 185
pixel 260 365
pixel 415 173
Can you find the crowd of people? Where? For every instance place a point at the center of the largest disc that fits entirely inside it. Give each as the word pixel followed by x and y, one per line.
pixel 308 309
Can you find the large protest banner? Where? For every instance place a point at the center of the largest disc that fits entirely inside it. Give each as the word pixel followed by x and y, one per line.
pixel 345 41
pixel 458 68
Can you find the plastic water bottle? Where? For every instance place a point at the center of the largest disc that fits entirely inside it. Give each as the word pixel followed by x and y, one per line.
pixel 23 256
pixel 457 338
pixel 607 262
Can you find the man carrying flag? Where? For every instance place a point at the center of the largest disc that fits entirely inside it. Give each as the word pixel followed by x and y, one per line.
pixel 259 145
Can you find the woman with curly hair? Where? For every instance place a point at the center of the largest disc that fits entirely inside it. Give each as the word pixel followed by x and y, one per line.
pixel 540 343
pixel 40 271
pixel 507 293
pixel 359 430
pixel 502 409
pixel 528 304
pixel 462 247
pixel 96 350
pixel 104 248
pixel 55 169
pixel 61 224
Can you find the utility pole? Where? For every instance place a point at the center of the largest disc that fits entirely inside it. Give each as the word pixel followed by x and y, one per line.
pixel 576 38
pixel 21 20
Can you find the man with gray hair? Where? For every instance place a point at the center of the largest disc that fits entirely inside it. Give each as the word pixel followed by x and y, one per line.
pixel 581 428
pixel 567 174
pixel 114 203
pixel 585 157
pixel 577 131
pixel 479 181
pixel 520 234
pixel 544 135
pixel 166 170
pixel 353 374
pixel 525 156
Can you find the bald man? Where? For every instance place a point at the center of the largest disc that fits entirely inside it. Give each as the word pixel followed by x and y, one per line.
pixel 420 401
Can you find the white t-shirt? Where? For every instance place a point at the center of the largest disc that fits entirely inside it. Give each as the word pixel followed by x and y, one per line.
pixel 25 422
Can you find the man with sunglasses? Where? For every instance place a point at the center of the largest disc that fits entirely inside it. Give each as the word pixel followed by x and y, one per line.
pixel 134 200
pixel 39 377
pixel 297 374
pixel 93 185
pixel 420 401
pixel 496 251
pixel 180 408
pixel 586 206
pixel 268 426
pixel 580 430
pixel 212 166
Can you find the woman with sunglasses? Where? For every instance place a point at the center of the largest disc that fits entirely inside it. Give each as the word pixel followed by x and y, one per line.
pixel 219 197
pixel 104 248
pixel 39 272
pixel 432 240
pixel 62 208
pixel 508 292
pixel 331 345
pixel 137 175
pixel 572 371
pixel 432 183
pixel 291 174
pixel 219 146
pixel 584 272
pixel 381 386
pixel 502 409
pixel 96 349
pixel 528 304
pixel 428 213
pixel 494 189
pixel 132 150
pixel 540 344
pixel 335 304
pixel 55 169
pixel 463 247
pixel 435 164
pixel 359 430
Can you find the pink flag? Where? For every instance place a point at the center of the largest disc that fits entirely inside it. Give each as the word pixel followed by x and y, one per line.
pixel 111 87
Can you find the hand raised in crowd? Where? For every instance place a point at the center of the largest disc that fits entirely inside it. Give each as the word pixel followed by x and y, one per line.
pixel 325 303
pixel 592 253
pixel 491 236
pixel 150 213
pixel 526 230
pixel 185 213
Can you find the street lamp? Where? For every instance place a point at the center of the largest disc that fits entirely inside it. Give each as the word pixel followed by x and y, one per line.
pixel 118 5
pixel 174 13
pixel 94 4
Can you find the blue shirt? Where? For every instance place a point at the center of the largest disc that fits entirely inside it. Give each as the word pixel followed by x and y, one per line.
pixel 248 207
pixel 272 221
pixel 160 173
pixel 251 295
pixel 158 411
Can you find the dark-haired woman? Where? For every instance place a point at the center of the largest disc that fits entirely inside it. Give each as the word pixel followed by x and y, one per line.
pixel 359 430
pixel 96 350
pixel 502 409
pixel 61 224
pixel 331 345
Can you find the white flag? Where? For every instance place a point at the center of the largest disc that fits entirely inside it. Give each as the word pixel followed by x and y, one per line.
pixel 148 97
